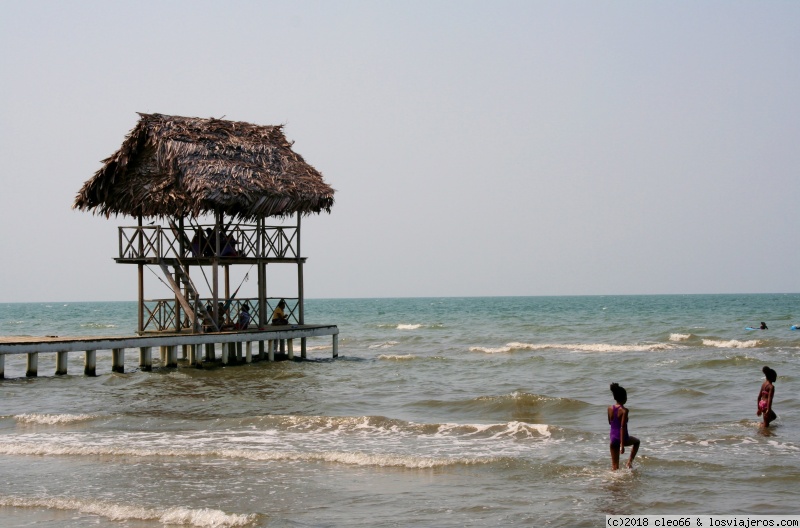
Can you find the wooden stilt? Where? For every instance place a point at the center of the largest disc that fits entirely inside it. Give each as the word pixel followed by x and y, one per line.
pixel 172 356
pixel 291 348
pixel 118 360
pixel 162 352
pixel 335 345
pixel 225 351
pixel 2 366
pixel 248 352
pixel 271 350
pixel 146 358
pixel 90 363
pixel 61 363
pixel 211 354
pixel 303 347
pixel 33 365
pixel 261 351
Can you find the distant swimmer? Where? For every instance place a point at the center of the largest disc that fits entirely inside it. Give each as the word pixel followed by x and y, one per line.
pixel 618 419
pixel 765 396
pixel 763 326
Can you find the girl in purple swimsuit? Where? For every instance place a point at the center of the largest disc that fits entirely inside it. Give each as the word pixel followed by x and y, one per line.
pixel 618 419
pixel 765 396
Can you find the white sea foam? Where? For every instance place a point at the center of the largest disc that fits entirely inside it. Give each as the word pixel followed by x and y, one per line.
pixel 319 347
pixel 386 344
pixel 579 347
pixel 201 517
pixel 679 337
pixel 397 357
pixel 490 350
pixel 53 419
pixel 408 326
pixel 341 457
pixel 733 343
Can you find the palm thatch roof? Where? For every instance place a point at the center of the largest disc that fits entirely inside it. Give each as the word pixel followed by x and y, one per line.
pixel 188 166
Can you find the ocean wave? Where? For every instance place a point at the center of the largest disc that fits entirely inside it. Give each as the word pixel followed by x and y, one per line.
pixel 408 326
pixel 385 344
pixel 98 325
pixel 354 458
pixel 383 426
pixel 398 357
pixel 319 347
pixel 679 337
pixel 53 419
pixel 576 347
pixel 733 343
pixel 200 517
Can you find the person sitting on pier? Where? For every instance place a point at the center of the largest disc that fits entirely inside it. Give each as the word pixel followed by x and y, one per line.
pixel 228 243
pixel 278 316
pixel 208 318
pixel 244 318
pixel 225 322
pixel 198 243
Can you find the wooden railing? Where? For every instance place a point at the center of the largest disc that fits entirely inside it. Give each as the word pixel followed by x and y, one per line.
pixel 160 313
pixel 248 241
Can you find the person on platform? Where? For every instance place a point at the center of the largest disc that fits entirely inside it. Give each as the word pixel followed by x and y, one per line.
pixel 244 318
pixel 278 315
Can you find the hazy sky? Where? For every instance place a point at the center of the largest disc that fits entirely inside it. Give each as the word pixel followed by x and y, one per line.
pixel 477 148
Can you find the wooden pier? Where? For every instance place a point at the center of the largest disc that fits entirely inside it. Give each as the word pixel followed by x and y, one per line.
pixel 200 347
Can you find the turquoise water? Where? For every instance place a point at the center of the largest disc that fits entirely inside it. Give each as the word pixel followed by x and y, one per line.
pixel 438 412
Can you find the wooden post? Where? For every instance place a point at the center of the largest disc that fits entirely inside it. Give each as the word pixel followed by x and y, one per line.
pixel 172 356
pixel 335 345
pixel 248 352
pixel 90 363
pixel 162 352
pixel 225 352
pixel 261 350
pixel 301 318
pixel 211 354
pixel 141 278
pixel 215 272
pixel 270 350
pixel 291 348
pixel 61 363
pixel 177 279
pixel 146 358
pixel 303 347
pixel 2 366
pixel 33 365
pixel 118 360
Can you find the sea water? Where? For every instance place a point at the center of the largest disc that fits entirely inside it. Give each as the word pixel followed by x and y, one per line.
pixel 438 412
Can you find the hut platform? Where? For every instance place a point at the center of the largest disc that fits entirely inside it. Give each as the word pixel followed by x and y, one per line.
pixel 199 348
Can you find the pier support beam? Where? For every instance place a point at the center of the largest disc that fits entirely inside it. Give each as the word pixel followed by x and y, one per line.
pixel 118 360
pixel 211 354
pixel 172 356
pixel 33 365
pixel 303 347
pixel 90 363
pixel 291 348
pixel 270 350
pixel 262 351
pixel 2 366
pixel 61 363
pixel 146 358
pixel 336 345
pixel 248 358
pixel 225 353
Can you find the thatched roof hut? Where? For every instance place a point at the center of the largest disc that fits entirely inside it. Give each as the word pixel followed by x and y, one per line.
pixel 187 166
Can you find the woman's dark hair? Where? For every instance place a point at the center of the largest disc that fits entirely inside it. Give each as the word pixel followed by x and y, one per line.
pixel 770 374
pixel 620 394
